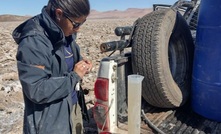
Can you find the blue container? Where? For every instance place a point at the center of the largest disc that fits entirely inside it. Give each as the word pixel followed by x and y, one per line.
pixel 206 78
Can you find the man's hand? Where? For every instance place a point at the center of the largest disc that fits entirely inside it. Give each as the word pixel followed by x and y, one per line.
pixel 82 67
pixel 89 65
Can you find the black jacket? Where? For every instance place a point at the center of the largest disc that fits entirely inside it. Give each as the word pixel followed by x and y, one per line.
pixel 42 69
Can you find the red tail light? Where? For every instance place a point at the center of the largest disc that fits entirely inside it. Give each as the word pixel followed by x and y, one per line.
pixel 101 110
pixel 101 89
pixel 101 116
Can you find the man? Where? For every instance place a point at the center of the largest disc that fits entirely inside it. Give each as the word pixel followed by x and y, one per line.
pixel 50 66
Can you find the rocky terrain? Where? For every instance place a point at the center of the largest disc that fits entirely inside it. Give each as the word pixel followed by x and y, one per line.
pixel 92 34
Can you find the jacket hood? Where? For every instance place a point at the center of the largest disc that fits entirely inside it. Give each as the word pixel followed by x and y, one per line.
pixel 39 24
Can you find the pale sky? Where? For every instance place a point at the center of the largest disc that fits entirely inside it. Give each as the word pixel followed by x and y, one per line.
pixel 33 7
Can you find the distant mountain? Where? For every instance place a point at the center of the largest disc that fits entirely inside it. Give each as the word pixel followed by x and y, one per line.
pixel 117 14
pixel 113 14
pixel 8 17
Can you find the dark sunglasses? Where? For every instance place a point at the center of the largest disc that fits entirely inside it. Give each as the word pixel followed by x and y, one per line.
pixel 75 24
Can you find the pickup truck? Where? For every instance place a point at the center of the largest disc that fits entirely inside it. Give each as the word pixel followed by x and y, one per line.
pixel 159 46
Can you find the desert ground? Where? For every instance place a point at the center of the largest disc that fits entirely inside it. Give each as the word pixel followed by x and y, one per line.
pixel 91 35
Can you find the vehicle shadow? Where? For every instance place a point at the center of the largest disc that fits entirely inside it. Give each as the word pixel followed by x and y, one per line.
pixel 91 126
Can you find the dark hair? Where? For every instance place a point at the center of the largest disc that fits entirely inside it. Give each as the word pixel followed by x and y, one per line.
pixel 71 8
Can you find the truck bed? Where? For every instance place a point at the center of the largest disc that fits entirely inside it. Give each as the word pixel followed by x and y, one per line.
pixel 182 120
pixel 172 121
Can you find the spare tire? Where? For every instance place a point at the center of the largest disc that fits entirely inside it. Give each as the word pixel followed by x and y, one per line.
pixel 162 51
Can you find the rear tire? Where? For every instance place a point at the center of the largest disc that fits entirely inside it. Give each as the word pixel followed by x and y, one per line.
pixel 162 51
